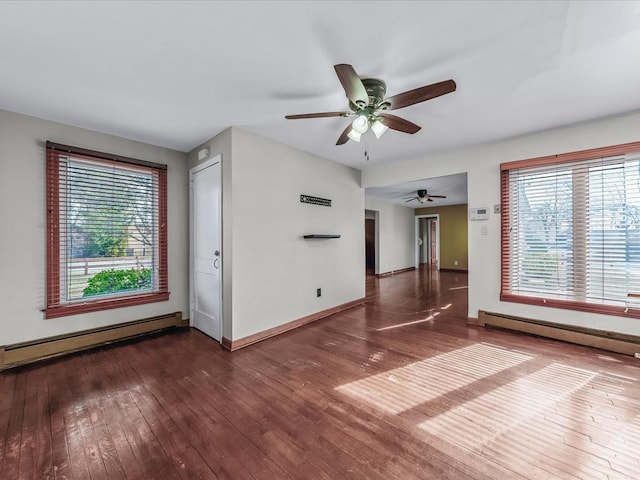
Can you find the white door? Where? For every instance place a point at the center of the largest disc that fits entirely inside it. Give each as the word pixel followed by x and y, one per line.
pixel 206 251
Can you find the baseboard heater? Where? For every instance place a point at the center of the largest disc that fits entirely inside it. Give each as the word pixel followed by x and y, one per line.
pixel 27 352
pixel 602 339
pixel 394 272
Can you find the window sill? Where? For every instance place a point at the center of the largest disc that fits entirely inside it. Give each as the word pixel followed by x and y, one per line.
pixel 618 311
pixel 106 304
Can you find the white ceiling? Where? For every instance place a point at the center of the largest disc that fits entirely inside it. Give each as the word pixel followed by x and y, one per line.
pixel 175 74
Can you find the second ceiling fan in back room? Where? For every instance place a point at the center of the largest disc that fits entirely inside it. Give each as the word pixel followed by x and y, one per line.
pixel 422 196
pixel 368 104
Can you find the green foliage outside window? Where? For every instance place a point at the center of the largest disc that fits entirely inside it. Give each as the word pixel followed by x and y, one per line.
pixel 116 281
pixel 106 229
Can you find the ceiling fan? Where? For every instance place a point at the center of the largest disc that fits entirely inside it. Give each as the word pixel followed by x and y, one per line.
pixel 368 105
pixel 422 197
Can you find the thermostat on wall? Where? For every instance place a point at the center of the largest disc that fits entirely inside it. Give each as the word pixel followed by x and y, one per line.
pixel 479 213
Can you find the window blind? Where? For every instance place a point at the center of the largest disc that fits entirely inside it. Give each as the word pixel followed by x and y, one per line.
pixel 107 231
pixel 571 231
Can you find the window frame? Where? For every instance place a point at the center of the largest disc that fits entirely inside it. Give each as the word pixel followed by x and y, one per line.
pixel 505 259
pixel 55 307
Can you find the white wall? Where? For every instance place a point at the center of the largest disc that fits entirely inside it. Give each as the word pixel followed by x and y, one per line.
pixel 483 167
pixel 274 272
pixel 395 235
pixel 23 232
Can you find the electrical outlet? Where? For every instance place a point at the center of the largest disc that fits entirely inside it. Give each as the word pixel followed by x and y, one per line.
pixel 318 292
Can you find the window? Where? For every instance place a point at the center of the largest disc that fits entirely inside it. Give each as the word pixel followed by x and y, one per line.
pixel 106 231
pixel 571 231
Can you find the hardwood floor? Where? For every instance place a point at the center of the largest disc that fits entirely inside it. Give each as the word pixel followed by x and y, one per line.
pixel 399 388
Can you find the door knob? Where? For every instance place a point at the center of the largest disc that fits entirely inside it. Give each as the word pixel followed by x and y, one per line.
pixel 217 253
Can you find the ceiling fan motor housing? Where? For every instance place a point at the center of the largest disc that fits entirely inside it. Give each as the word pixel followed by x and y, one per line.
pixel 422 193
pixel 376 89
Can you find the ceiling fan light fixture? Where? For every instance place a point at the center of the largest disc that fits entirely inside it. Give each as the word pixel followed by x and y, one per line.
pixel 423 199
pixel 353 135
pixel 360 125
pixel 378 128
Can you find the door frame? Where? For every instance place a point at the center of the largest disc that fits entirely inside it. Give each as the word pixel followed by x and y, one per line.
pixel 192 171
pixel 436 218
pixel 376 220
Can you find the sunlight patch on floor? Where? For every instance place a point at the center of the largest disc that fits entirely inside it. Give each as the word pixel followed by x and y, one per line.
pixel 406 387
pixel 479 421
pixel 400 325
pixel 428 319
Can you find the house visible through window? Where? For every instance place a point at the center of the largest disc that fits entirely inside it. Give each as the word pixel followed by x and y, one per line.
pixel 571 231
pixel 106 226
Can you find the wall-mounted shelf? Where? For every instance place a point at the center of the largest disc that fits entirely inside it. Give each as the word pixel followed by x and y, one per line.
pixel 318 235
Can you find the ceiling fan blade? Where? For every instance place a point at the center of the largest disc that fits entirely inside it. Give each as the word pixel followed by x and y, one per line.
pixel 437 196
pixel 397 123
pixel 316 115
pixel 344 137
pixel 353 87
pixel 411 200
pixel 421 94
pixel 429 199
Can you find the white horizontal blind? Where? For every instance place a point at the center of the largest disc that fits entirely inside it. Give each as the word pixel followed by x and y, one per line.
pixel 574 231
pixel 541 231
pixel 108 229
pixel 613 254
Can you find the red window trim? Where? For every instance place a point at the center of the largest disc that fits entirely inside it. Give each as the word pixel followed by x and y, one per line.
pixel 95 155
pixel 99 305
pixel 54 308
pixel 505 293
pixel 617 311
pixel 609 151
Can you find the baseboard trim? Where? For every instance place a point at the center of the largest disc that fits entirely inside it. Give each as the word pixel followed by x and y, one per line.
pixel 272 332
pixel 455 270
pixel 474 321
pixel 27 352
pixel 602 339
pixel 226 343
pixel 394 272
